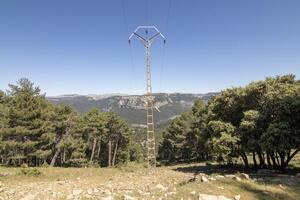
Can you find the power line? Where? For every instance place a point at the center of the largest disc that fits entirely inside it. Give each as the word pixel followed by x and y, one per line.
pixel 134 82
pixel 164 49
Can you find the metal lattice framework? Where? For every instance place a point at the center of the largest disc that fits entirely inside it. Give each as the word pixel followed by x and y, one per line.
pixel 149 99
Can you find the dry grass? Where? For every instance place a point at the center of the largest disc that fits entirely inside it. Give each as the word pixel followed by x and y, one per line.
pixel 136 181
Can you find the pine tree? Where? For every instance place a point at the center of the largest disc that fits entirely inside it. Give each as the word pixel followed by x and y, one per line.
pixel 25 127
pixel 118 138
pixel 94 123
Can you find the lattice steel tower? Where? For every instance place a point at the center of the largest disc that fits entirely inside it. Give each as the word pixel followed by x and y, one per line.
pixel 147 41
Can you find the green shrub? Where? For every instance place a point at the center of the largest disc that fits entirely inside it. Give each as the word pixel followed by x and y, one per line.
pixel 45 165
pixel 28 171
pixel 24 165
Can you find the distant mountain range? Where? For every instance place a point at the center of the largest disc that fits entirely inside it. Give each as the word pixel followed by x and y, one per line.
pixel 131 107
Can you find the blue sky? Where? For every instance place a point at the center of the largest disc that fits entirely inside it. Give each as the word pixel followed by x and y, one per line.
pixel 81 47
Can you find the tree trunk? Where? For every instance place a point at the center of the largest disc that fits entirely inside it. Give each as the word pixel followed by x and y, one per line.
pixel 268 159
pixel 64 157
pixel 277 158
pixel 109 153
pixel 274 161
pixel 54 157
pixel 245 159
pixel 115 153
pixel 254 159
pixel 99 149
pixel 282 161
pixel 261 159
pixel 289 158
pixel 93 150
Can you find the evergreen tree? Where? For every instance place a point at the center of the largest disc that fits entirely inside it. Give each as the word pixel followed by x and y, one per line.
pixel 25 126
pixel 94 123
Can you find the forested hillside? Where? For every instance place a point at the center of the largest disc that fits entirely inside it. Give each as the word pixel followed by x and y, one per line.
pixel 35 132
pixel 259 123
pixel 261 120
pixel 131 107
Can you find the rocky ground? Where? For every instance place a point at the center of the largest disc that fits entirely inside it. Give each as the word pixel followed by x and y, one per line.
pixel 136 182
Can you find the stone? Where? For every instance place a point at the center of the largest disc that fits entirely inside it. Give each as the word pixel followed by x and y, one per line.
pixel 298 175
pixel 161 187
pixel 193 192
pixel 127 197
pixel 204 179
pixel 212 179
pixel 4 174
pixel 237 178
pixel 244 176
pixel 237 197
pixel 96 190
pixel 220 176
pixel 211 197
pixel 282 186
pixel 107 198
pixel 171 193
pixel 29 197
pixel 87 196
pixel 229 176
pixel 77 192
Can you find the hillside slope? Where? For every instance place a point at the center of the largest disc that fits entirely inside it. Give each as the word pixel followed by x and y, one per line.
pixel 131 107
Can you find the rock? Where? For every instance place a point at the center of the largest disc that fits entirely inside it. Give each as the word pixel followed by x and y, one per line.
pixel 237 178
pixel 229 176
pixel 90 191
pixel 96 190
pixel 244 176
pixel 4 174
pixel 161 187
pixel 170 193
pixel 127 197
pixel 211 197
pixel 29 197
pixel 193 192
pixel 204 179
pixel 1 184
pixel 212 179
pixel 237 197
pixel 298 175
pixel 77 192
pixel 107 198
pixel 282 186
pixel 108 192
pixel 70 196
pixel 60 182
pixel 87 196
pixel 220 176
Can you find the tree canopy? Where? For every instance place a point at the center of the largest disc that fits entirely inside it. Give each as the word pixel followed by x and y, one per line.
pixel 36 132
pixel 261 119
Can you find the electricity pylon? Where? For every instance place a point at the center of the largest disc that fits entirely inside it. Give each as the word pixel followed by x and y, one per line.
pixel 149 100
